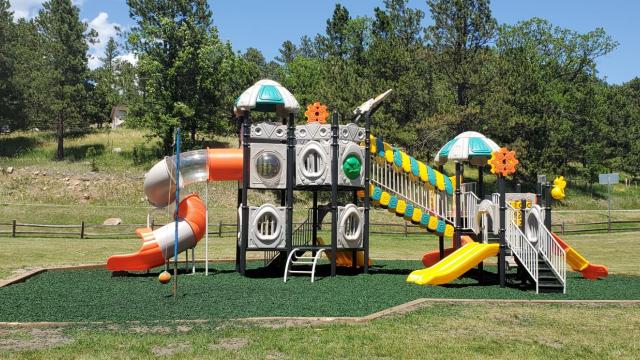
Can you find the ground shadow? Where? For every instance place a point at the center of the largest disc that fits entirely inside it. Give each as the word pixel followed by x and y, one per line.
pixel 79 153
pixel 16 145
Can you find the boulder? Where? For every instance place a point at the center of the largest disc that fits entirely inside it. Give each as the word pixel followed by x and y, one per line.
pixel 112 221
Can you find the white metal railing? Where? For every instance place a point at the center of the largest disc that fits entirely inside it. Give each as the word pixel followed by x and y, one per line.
pixel 520 245
pixel 414 191
pixel 549 248
pixel 469 203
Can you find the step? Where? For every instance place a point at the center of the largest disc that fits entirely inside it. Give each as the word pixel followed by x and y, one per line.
pixel 546 277
pixel 550 288
pixel 302 262
pixel 304 258
pixel 300 272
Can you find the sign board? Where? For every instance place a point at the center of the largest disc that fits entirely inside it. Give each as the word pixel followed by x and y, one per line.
pixel 606 179
pixel 542 179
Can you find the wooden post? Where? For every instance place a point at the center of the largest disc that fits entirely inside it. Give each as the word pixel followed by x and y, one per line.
pixel 13 228
pixel 82 230
pixel 405 229
pixel 220 229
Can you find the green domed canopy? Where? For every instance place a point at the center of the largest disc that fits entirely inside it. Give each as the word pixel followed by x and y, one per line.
pixel 266 96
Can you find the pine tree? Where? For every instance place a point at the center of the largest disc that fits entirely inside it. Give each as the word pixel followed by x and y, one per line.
pixel 65 47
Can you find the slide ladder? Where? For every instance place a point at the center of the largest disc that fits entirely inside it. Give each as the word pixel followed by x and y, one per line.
pixel 298 260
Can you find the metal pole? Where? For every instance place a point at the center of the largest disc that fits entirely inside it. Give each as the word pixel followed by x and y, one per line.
pixel 503 245
pixel 609 206
pixel 440 238
pixel 291 171
pixel 334 191
pixel 458 229
pixel 175 242
pixel 481 182
pixel 547 200
pixel 246 153
pixel 367 184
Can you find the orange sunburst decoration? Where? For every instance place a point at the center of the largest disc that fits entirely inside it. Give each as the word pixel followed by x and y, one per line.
pixel 503 162
pixel 316 112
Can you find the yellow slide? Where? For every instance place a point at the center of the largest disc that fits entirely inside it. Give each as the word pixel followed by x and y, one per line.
pixel 454 265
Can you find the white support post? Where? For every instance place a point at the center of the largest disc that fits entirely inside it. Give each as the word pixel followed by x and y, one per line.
pixel 206 231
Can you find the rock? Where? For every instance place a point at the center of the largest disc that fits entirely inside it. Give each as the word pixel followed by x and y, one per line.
pixel 86 196
pixel 10 170
pixel 36 173
pixel 44 173
pixel 117 150
pixel 112 221
pixel 76 183
pixel 66 179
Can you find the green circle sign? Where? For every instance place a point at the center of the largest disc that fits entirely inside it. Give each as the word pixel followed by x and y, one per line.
pixel 352 166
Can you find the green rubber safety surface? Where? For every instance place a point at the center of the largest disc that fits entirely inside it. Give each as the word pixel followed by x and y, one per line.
pixel 96 295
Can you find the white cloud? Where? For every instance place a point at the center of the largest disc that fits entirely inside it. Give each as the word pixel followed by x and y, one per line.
pixel 131 58
pixel 25 8
pixel 29 8
pixel 105 31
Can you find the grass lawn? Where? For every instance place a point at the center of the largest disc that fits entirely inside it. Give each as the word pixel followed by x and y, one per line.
pixel 436 332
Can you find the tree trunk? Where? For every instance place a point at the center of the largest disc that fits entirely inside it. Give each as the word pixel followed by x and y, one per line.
pixel 167 142
pixel 60 135
pixel 462 89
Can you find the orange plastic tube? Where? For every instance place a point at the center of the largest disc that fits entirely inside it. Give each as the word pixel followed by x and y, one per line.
pixel 193 211
pixel 225 164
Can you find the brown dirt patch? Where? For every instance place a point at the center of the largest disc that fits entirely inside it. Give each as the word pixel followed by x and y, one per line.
pixel 170 349
pixel 17 340
pixel 229 344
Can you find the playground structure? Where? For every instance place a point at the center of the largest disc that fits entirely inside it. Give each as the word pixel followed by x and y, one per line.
pixel 348 162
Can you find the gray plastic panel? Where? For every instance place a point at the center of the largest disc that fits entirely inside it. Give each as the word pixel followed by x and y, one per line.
pixel 270 152
pixel 351 132
pixel 313 131
pixel 350 226
pixel 267 227
pixel 313 163
pixel 267 130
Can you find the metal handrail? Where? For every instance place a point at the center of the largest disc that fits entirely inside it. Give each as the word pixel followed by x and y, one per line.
pixel 550 249
pixel 412 190
pixel 470 203
pixel 520 245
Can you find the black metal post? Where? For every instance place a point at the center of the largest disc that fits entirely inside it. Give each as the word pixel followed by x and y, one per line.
pixel 523 209
pixel 441 238
pixel 314 215
pixel 503 245
pixel 458 228
pixel 291 171
pixel 367 184
pixel 239 122
pixel 334 191
pixel 539 194
pixel 246 153
pixel 547 209
pixel 238 225
pixel 481 182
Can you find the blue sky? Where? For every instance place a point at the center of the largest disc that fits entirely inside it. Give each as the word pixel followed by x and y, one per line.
pixel 266 24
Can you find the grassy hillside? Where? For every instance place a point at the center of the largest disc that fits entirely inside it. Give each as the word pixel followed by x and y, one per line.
pixel 66 192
